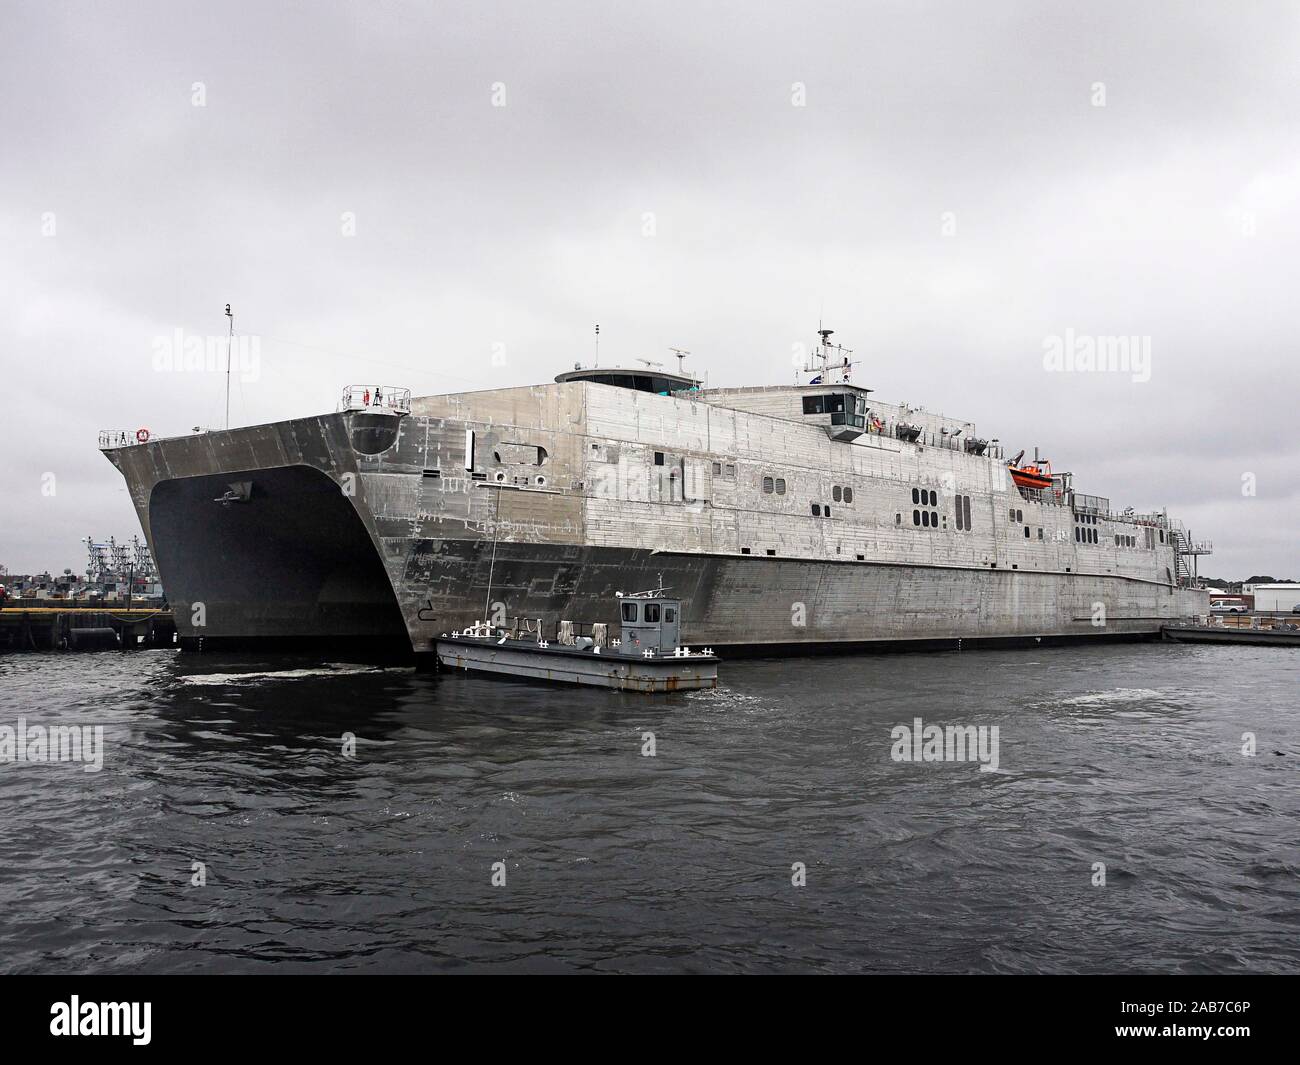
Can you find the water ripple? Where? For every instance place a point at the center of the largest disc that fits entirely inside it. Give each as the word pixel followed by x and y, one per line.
pixel 353 818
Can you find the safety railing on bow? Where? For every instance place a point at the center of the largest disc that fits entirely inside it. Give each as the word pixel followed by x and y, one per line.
pixel 377 398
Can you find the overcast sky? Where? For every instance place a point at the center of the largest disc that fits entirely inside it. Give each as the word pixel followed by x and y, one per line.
pixel 393 193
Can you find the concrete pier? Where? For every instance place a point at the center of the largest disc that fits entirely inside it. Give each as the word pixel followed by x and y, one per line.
pixel 71 627
pixel 1261 630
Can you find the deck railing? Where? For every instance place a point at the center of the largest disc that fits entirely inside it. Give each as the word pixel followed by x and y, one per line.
pixel 115 438
pixel 377 398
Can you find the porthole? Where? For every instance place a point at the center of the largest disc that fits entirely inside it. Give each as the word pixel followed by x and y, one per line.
pixel 848 495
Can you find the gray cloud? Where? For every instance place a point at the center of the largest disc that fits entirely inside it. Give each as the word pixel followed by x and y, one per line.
pixel 523 225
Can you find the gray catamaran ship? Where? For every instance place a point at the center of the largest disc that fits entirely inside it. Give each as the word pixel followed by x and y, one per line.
pixel 799 517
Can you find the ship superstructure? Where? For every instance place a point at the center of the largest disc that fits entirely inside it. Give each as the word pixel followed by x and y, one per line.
pixel 785 517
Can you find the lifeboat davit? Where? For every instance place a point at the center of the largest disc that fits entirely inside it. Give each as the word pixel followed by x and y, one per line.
pixel 1031 476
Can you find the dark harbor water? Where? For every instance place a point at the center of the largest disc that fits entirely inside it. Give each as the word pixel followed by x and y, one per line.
pixel 1129 756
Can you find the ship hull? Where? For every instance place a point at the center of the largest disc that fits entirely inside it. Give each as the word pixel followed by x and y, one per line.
pixel 294 565
pixel 345 529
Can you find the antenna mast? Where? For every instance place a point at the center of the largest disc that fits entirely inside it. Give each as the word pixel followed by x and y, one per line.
pixel 597 362
pixel 229 340
pixel 681 354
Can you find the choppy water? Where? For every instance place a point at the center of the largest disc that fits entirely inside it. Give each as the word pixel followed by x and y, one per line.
pixel 616 861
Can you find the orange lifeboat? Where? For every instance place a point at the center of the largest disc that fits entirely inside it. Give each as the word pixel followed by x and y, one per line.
pixel 1031 475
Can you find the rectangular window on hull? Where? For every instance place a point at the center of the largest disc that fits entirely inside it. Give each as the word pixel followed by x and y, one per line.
pixel 961 513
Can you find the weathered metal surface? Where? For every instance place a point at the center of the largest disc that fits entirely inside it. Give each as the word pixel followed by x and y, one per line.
pixel 565 493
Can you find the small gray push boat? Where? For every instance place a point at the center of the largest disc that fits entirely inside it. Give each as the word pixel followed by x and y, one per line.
pixel 645 657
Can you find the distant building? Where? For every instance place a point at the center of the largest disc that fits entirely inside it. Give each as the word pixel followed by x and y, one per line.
pixel 1280 597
